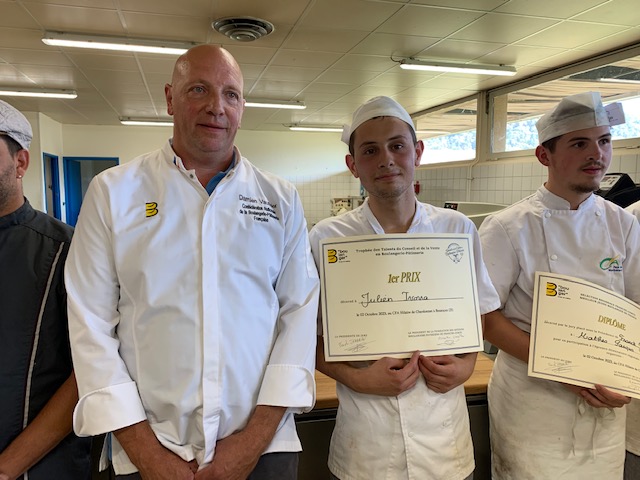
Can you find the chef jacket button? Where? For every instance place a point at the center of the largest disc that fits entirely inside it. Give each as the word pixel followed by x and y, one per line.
pixel 554 257
pixel 547 214
pixel 191 175
pixel 598 213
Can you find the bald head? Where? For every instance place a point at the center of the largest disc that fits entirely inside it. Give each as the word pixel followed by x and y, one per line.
pixel 206 101
pixel 202 55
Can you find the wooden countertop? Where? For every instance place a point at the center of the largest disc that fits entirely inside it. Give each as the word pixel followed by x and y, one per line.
pixel 477 383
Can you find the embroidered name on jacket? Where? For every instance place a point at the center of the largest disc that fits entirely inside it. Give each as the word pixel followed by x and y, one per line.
pixel 260 209
pixel 151 209
pixel 612 264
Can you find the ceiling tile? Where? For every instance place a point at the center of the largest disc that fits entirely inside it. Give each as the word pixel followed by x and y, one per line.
pixel 301 58
pixel 282 90
pixel 103 60
pixel 484 5
pixel 428 21
pixel 551 8
pixel 569 35
pixel 77 19
pixel 611 42
pixel 276 72
pixel 348 14
pixel 375 90
pixel 326 40
pixel 499 28
pixel 14 16
pixel 618 12
pixel 369 63
pixel 169 27
pixel 393 44
pixel 197 8
pixel 401 78
pixel 338 88
pixel 23 39
pixel 349 77
pixel 251 54
pixel 459 50
pixel 34 57
pixel 518 55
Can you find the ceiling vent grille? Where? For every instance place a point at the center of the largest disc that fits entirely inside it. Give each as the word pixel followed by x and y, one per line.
pixel 243 29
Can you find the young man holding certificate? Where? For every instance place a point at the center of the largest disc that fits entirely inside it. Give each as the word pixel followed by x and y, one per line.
pixel 542 429
pixel 398 418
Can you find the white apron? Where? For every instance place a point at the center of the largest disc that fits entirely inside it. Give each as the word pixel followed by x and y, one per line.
pixel 539 429
pixel 542 431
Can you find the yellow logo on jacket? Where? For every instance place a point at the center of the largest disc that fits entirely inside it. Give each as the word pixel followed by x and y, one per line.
pixel 151 209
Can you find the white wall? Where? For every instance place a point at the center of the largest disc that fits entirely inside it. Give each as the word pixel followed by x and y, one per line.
pixel 314 162
pixel 33 181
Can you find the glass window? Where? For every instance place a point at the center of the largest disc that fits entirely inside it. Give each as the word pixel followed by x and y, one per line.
pixel 515 114
pixel 449 133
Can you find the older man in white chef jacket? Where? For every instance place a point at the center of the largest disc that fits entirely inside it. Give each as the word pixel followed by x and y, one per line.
pixel 542 429
pixel 398 419
pixel 193 298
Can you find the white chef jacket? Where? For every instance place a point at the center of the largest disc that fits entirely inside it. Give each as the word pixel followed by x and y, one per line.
pixel 565 437
pixel 633 410
pixel 419 434
pixel 187 309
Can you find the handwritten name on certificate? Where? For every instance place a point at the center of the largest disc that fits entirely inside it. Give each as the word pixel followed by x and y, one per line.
pixel 390 295
pixel 583 334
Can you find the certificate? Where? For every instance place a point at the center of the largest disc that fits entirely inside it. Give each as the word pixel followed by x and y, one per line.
pixel 390 295
pixel 583 334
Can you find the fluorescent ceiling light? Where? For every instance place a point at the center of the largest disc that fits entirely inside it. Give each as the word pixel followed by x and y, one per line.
pixel 413 64
pixel 298 128
pixel 275 104
pixel 100 42
pixel 618 80
pixel 26 92
pixel 147 122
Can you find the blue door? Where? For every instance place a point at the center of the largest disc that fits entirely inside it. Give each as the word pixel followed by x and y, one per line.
pixel 78 173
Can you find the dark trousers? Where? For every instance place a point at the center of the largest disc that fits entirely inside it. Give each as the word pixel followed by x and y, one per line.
pixel 631 467
pixel 271 466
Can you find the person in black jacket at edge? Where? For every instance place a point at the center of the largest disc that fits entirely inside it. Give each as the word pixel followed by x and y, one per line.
pixel 37 386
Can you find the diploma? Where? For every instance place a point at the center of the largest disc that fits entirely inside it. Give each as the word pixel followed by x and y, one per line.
pixel 390 295
pixel 583 334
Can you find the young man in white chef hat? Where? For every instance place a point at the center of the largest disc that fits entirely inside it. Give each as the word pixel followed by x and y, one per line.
pixel 398 418
pixel 542 429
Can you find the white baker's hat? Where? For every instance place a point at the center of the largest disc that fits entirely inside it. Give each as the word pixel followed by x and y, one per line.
pixel 15 125
pixel 376 107
pixel 577 112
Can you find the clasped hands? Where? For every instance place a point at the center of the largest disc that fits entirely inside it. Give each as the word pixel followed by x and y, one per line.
pixel 392 376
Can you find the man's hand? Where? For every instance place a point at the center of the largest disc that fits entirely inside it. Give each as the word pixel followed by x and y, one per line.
pixel 445 372
pixel 154 461
pixel 168 466
pixel 599 397
pixel 232 460
pixel 388 376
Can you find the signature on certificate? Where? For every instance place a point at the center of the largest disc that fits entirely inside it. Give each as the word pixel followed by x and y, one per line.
pixel 561 366
pixel 450 339
pixel 354 345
